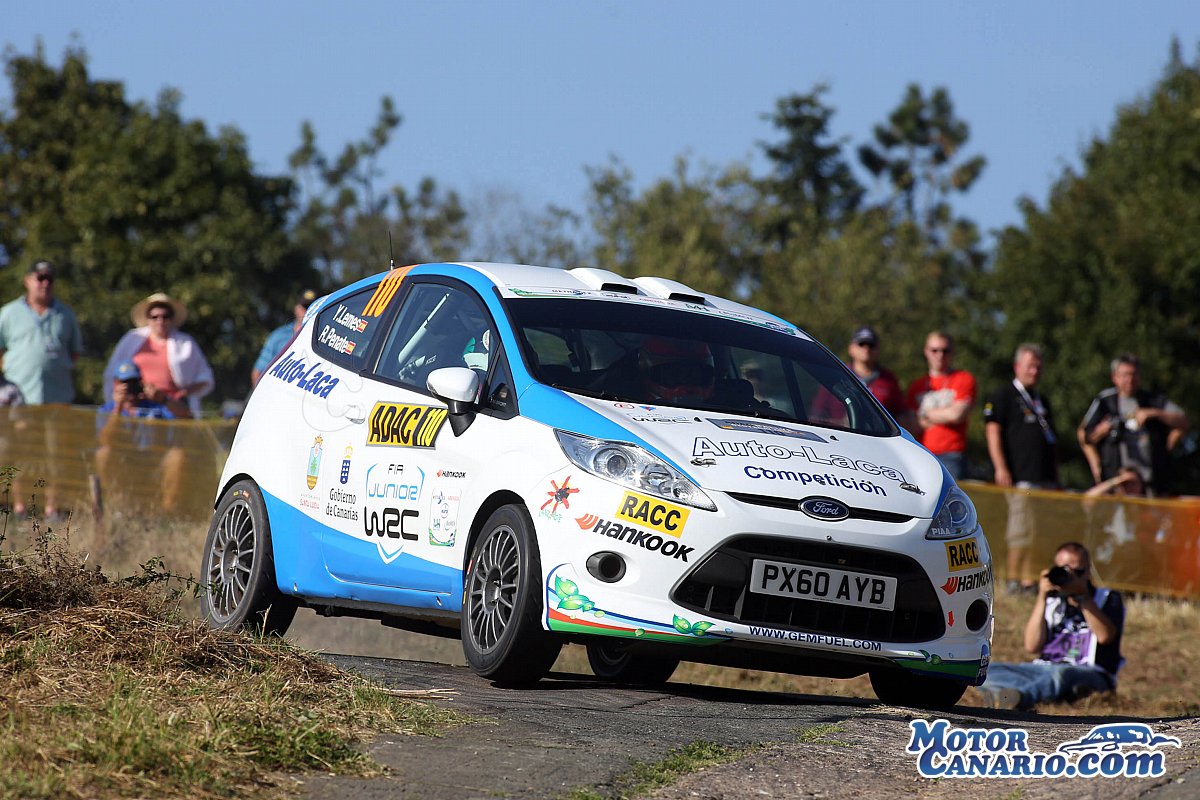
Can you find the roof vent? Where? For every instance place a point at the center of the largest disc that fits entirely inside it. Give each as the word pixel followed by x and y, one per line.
pixel 604 280
pixel 671 290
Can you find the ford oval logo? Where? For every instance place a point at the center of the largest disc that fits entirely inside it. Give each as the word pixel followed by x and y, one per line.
pixel 824 508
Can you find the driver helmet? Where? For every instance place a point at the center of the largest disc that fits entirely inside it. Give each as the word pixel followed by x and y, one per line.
pixel 677 369
pixel 475 353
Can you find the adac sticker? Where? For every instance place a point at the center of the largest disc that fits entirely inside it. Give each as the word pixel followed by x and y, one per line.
pixel 403 425
pixel 653 513
pixel 963 555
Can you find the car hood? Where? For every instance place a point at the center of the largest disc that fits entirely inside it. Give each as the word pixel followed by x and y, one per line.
pixel 730 453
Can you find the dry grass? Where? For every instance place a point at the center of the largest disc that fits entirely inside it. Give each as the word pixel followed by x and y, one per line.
pixel 109 690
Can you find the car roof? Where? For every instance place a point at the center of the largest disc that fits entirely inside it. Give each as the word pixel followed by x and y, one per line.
pixel 517 280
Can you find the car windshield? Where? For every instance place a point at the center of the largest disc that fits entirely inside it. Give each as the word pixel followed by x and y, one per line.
pixel 668 357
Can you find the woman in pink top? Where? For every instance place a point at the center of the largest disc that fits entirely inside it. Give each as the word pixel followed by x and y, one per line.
pixel 174 370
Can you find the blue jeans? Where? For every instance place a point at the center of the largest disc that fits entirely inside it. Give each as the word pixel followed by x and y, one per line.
pixel 1039 683
pixel 954 463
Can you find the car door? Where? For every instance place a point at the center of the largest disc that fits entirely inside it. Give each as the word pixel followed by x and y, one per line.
pixel 414 470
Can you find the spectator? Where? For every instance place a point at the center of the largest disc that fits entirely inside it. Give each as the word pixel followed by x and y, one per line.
pixel 173 368
pixel 116 429
pixel 1074 629
pixel 943 399
pixel 281 336
pixel 864 361
pixel 1126 426
pixel 1019 428
pixel 40 342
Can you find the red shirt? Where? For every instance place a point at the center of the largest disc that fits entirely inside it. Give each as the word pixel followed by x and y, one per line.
pixel 151 359
pixel 939 391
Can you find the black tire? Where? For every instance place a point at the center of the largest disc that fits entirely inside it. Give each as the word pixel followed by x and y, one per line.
pixel 898 687
pixel 613 661
pixel 502 634
pixel 239 568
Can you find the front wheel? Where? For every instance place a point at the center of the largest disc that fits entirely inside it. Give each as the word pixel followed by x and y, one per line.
pixel 502 635
pixel 239 568
pixel 899 687
pixel 613 661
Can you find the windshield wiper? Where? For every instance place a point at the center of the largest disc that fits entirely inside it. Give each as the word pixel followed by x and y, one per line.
pixel 599 395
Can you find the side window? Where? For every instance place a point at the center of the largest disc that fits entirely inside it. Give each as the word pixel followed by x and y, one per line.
pixel 343 334
pixel 439 326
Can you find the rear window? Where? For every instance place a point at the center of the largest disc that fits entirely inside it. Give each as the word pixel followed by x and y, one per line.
pixel 343 333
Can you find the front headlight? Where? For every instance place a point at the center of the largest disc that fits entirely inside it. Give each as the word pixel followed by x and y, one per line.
pixel 956 517
pixel 631 466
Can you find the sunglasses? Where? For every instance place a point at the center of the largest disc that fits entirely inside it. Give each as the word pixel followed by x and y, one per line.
pixel 45 279
pixel 868 345
pixel 938 349
pixel 161 316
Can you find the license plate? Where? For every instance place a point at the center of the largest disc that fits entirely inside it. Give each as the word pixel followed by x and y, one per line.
pixel 807 582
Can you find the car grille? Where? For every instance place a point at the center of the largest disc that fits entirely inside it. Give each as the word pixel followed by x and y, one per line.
pixel 719 587
pixel 792 504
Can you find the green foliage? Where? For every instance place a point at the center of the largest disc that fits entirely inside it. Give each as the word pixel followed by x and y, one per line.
pixel 696 230
pixel 350 228
pixel 811 188
pixel 129 199
pixel 1110 264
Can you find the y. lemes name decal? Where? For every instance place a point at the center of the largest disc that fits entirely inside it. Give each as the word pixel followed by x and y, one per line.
pixel 292 369
pixel 344 318
pixel 704 446
pixel 401 425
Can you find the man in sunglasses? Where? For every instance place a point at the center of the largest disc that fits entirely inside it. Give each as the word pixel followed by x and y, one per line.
pixel 864 361
pixel 1074 630
pixel 39 343
pixel 40 340
pixel 943 399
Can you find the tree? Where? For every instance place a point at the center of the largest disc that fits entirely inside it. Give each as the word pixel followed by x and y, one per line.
pixel 811 187
pixel 915 151
pixel 1110 263
pixel 130 199
pixel 350 228
pixel 699 231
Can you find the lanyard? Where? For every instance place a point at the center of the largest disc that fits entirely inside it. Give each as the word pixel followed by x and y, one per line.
pixel 1038 410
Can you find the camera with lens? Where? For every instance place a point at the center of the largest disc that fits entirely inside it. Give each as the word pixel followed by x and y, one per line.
pixel 1060 577
pixel 133 386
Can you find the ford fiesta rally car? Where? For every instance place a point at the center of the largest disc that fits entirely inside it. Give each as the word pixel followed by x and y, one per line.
pixel 524 456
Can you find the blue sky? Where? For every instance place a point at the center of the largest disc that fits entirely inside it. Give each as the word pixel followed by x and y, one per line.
pixel 519 97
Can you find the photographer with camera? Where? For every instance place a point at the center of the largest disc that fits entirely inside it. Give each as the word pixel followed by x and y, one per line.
pixel 123 432
pixel 1074 629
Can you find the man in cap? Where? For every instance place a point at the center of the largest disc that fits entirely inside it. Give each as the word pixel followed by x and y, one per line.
pixel 281 336
pixel 864 361
pixel 40 340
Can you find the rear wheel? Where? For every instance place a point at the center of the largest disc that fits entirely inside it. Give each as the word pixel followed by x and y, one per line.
pixel 613 661
pixel 502 634
pixel 239 568
pixel 899 687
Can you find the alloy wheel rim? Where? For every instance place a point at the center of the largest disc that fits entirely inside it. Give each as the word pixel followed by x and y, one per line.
pixel 492 594
pixel 231 560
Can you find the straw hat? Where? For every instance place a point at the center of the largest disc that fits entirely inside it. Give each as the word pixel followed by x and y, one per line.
pixel 140 313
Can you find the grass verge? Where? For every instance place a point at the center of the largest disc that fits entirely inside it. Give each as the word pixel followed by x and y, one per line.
pixel 108 690
pixel 644 777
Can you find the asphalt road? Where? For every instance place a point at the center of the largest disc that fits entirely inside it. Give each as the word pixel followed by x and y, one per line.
pixel 570 731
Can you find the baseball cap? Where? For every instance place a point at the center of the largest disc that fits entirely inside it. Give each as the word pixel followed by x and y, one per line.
pixel 864 335
pixel 127 371
pixel 42 268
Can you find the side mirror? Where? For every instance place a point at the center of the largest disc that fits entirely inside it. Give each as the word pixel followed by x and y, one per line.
pixel 457 387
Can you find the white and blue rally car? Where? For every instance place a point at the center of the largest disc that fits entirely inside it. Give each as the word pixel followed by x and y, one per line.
pixel 524 456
